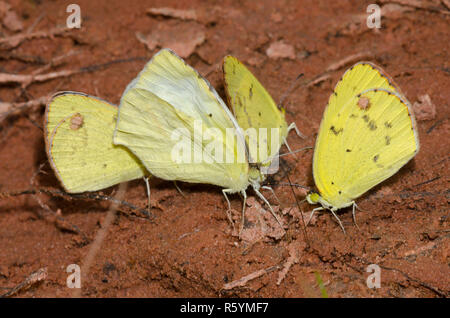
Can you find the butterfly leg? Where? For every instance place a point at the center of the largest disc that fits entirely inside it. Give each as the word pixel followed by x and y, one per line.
pixel 354 213
pixel 178 188
pixel 273 192
pixel 147 184
pixel 270 207
pixel 312 213
pixel 244 194
pixel 287 145
pixel 339 221
pixel 294 126
pixel 225 191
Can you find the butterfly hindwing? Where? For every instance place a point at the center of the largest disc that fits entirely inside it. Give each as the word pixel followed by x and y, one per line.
pixel 78 133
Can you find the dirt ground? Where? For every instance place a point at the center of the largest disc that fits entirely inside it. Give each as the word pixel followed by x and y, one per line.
pixel 190 249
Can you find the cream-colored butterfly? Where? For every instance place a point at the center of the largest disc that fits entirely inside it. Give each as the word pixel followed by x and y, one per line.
pixel 78 132
pixel 174 121
pixel 367 134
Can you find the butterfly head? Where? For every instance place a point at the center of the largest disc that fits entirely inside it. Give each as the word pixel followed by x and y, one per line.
pixel 313 197
pixel 255 176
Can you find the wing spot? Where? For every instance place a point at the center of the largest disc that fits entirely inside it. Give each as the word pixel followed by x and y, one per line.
pixel 388 140
pixel 375 158
pixel 105 166
pixel 259 114
pixel 250 92
pixel 387 125
pixel 76 122
pixel 372 125
pixel 336 132
pixel 340 192
pixel 353 116
pixel 366 118
pixel 363 103
pixel 348 150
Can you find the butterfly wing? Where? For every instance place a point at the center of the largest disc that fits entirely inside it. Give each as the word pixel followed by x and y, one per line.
pixel 163 115
pixel 78 134
pixel 366 135
pixel 253 107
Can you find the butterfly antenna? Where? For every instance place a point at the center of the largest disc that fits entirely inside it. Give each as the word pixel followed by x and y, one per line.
pixel 289 90
pixel 295 151
pixel 305 233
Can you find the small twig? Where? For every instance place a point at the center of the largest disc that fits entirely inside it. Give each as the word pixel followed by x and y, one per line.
pixel 437 123
pixel 35 277
pixel 22 58
pixel 428 181
pixel 317 79
pixel 348 60
pixel 294 250
pixel 101 235
pixel 244 280
pixel 418 5
pixel 428 286
pixel 27 79
pixel 33 25
pixel 83 196
pixel 54 62
pixel 336 66
pixel 15 40
pixel 289 91
pixel 8 109
pixel 58 220
pixel 92 68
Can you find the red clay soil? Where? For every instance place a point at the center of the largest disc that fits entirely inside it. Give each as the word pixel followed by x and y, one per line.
pixel 189 249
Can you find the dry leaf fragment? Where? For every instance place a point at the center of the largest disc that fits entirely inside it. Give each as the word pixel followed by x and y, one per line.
pixel 181 39
pixel 173 13
pixel 424 109
pixel 280 50
pixel 12 22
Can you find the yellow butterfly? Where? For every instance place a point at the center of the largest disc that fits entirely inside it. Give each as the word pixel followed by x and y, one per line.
pixel 253 107
pixel 78 136
pixel 174 121
pixel 368 132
